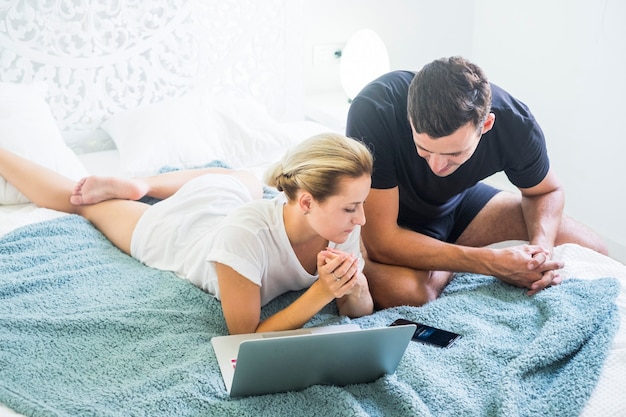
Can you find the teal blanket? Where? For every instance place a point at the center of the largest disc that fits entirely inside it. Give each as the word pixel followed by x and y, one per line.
pixel 87 331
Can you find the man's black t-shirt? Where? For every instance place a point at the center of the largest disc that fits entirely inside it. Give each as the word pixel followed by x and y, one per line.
pixel 378 117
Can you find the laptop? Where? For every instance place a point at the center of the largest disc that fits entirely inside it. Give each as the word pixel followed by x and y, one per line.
pixel 271 362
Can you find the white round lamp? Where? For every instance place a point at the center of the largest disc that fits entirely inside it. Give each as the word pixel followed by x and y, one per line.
pixel 363 59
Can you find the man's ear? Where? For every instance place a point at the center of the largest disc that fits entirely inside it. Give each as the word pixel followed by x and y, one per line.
pixel 489 122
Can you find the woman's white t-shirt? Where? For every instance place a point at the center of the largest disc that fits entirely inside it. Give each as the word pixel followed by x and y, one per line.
pixel 212 219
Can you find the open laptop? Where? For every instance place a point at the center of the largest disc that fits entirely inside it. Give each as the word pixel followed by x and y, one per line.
pixel 266 363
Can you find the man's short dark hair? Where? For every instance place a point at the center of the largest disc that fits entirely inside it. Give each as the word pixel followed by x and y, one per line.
pixel 447 94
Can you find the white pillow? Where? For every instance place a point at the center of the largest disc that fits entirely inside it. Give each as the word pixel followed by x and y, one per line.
pixel 28 128
pixel 193 130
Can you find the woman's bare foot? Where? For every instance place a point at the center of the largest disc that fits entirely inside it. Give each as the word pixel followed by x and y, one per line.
pixel 92 190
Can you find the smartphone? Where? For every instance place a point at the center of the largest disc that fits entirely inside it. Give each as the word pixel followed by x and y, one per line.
pixel 429 334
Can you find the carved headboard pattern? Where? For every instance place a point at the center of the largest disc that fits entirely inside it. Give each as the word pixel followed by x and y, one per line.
pixel 102 56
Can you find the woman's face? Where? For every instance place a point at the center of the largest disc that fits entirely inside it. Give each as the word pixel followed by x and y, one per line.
pixel 336 217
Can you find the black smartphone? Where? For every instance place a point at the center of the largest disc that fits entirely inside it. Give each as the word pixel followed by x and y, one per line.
pixel 429 334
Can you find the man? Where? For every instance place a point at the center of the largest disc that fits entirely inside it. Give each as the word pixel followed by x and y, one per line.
pixel 435 135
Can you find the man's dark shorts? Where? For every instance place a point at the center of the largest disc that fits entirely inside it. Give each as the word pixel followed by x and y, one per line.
pixel 450 227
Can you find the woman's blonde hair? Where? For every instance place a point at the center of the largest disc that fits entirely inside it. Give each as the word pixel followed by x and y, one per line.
pixel 317 164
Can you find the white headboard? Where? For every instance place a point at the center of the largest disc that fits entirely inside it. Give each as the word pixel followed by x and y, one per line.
pixel 104 56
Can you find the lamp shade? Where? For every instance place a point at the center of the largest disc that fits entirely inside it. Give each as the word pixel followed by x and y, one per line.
pixel 363 59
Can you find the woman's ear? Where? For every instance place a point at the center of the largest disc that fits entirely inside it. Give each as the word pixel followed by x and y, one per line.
pixel 305 202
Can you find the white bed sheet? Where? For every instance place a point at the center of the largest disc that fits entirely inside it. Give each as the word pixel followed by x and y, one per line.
pixel 607 400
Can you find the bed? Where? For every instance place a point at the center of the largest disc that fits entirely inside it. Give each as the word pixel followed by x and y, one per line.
pixel 126 88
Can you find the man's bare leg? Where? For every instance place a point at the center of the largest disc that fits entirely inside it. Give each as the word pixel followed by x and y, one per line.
pixel 502 219
pixel 392 285
pixel 572 231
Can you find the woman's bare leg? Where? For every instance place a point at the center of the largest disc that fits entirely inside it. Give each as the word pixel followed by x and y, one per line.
pixel 116 219
pixel 42 186
pixel 94 189
pixel 116 215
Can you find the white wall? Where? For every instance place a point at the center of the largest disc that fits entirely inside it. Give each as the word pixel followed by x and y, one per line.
pixel 565 59
pixel 415 32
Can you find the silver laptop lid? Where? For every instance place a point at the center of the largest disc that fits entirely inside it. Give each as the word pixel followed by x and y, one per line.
pixel 226 347
pixel 293 363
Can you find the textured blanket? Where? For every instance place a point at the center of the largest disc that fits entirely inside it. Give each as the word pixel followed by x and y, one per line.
pixel 86 330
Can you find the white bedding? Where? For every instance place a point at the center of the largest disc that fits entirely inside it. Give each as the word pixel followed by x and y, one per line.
pixel 108 162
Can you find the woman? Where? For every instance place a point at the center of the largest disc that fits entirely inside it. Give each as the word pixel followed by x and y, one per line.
pixel 213 229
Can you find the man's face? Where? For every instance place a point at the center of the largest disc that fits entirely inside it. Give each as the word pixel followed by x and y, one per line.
pixel 445 154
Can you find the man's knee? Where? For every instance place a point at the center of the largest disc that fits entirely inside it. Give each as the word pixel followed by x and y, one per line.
pixel 393 286
pixel 572 231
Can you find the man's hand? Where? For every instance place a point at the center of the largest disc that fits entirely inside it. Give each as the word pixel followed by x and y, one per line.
pixel 527 266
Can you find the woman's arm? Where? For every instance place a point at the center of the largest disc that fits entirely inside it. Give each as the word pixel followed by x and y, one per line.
pixel 241 298
pixel 358 302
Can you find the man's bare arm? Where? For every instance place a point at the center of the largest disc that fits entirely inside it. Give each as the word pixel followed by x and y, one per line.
pixel 542 208
pixel 387 243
